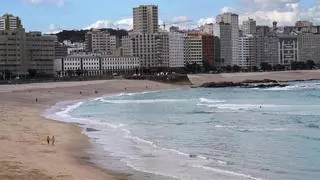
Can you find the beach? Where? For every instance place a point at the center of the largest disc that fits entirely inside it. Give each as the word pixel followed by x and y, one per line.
pixel 24 153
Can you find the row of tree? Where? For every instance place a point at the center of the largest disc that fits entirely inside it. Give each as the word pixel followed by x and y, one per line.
pixel 297 65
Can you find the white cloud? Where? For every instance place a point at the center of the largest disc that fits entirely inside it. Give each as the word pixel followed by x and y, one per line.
pixel 57 2
pixel 54 29
pixel 126 23
pixel 226 9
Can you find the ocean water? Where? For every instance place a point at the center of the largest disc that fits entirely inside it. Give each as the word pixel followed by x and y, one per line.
pixel 204 134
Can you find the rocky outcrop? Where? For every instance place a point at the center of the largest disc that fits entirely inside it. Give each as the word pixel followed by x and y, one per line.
pixel 266 83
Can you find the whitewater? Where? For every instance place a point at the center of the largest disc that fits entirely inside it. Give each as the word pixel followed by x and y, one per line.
pixel 227 133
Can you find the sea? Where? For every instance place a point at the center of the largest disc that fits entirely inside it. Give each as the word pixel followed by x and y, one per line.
pixel 205 134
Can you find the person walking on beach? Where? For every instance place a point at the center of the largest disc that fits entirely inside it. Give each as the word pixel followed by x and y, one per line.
pixel 53 140
pixel 48 140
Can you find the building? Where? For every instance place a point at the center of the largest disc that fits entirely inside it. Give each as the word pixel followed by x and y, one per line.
pixel 75 47
pixel 261 32
pixel 309 47
pixel 145 19
pixel 114 44
pixel 248 52
pixel 233 20
pixel 271 50
pixel 40 52
pixel 193 48
pixel 98 41
pixel 94 65
pixel 144 46
pixel 174 29
pixel 222 44
pixel 12 53
pixel 176 50
pixel 303 24
pixel 10 22
pixel 207 29
pixel 208 50
pixel 249 27
pixel 288 49
pixel 61 50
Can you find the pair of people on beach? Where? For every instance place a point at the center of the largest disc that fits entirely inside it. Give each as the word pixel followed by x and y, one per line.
pixel 52 140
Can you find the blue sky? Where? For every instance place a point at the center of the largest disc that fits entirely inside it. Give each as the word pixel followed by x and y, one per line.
pixel 52 15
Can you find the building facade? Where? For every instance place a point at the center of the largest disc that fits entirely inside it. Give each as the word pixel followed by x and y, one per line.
pixel 193 49
pixel 176 50
pixel 13 52
pixel 114 44
pixel 309 47
pixel 208 50
pixel 271 50
pixel 222 44
pixel 145 19
pixel 40 52
pixel 144 46
pixel 98 41
pixel 233 20
pixel 10 22
pixel 249 26
pixel 288 49
pixel 93 65
pixel 261 33
pixel 248 52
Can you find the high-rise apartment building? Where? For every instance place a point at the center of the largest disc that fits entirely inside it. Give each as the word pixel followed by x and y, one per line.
pixel 12 52
pixel 144 46
pixel 145 19
pixel 98 41
pixel 248 51
pixel 114 43
pixel 208 50
pixel 288 49
pixel 207 29
pixel 249 26
pixel 309 47
pixel 193 48
pixel 233 20
pixel 40 52
pixel 222 44
pixel 176 50
pixel 271 50
pixel 10 22
pixel 262 31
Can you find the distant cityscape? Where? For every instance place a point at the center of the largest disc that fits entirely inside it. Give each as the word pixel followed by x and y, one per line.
pixel 223 46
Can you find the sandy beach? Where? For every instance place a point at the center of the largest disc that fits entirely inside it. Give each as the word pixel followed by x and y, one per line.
pixel 24 153
pixel 199 79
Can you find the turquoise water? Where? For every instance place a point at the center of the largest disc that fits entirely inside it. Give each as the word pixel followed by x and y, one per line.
pixel 228 133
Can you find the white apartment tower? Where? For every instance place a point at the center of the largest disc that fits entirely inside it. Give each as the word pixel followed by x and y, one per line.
pixel 10 22
pixel 145 19
pixel 248 51
pixel 233 20
pixel 98 41
pixel 249 26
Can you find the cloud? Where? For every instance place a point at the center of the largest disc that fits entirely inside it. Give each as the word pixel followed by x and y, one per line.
pixel 126 23
pixel 54 29
pixel 57 2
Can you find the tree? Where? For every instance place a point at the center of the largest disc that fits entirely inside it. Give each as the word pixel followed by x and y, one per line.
pixel 278 67
pixel 32 73
pixel 310 64
pixel 255 68
pixel 228 68
pixel 298 65
pixel 236 68
pixel 265 66
pixel 79 72
pixel 70 73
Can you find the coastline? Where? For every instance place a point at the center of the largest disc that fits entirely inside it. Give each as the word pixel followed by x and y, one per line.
pixel 24 129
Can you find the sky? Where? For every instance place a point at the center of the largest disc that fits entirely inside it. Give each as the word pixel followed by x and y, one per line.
pixel 54 15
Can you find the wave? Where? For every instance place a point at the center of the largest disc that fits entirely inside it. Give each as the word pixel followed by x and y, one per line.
pixel 309 137
pixel 144 101
pixel 205 100
pixel 313 126
pixel 239 107
pixel 302 86
pixel 65 112
pixel 226 172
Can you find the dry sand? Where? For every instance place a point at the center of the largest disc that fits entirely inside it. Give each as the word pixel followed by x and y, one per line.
pixel 200 79
pixel 24 153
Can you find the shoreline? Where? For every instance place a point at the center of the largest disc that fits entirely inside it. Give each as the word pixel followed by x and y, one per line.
pixel 70 157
